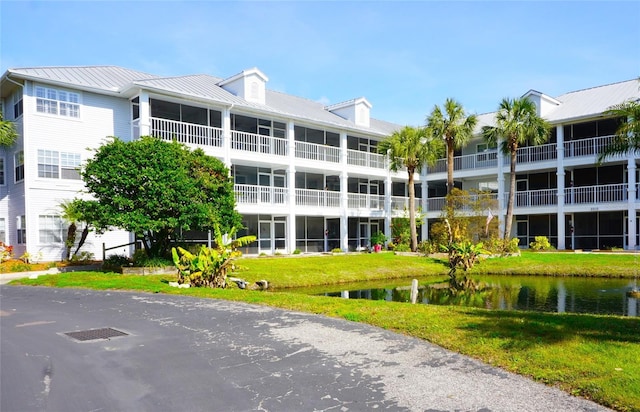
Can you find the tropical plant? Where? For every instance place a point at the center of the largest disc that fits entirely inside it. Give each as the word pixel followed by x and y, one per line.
pixel 517 124
pixel 540 243
pixel 454 127
pixel 627 137
pixel 462 255
pixel 378 238
pixel 71 211
pixel 210 266
pixel 411 148
pixel 8 133
pixel 155 188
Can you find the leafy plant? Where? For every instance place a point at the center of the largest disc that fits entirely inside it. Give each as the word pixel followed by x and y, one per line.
pixel 115 262
pixel 463 255
pixel 378 238
pixel 428 247
pixel 540 243
pixel 336 250
pixel 210 266
pixel 6 252
pixel 297 252
pixel 82 258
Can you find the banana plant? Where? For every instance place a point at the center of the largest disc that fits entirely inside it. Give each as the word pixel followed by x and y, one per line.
pixel 210 266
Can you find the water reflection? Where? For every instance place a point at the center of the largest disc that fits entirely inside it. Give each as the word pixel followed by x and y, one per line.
pixel 572 295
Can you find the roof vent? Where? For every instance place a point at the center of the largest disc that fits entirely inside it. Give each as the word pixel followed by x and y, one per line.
pixel 355 110
pixel 248 84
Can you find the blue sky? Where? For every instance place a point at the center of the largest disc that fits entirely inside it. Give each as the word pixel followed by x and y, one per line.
pixel 404 57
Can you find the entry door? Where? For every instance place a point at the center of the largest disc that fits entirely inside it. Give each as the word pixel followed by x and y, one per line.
pixel 363 235
pixel 280 235
pixel 264 237
pixel 522 231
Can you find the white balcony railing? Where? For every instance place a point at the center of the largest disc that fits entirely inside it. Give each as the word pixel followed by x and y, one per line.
pixel 365 159
pixel 317 198
pixel 532 154
pixel 471 161
pixel 260 195
pixel 436 204
pixel 586 147
pixel 365 201
pixel 596 194
pixel 534 198
pixel 399 203
pixel 187 133
pixel 251 142
pixel 313 151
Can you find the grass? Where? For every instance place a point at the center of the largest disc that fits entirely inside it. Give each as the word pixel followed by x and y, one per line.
pixel 597 357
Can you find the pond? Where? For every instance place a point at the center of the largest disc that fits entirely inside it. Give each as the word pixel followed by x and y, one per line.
pixel 544 294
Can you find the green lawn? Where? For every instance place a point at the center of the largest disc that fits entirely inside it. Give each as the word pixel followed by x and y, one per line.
pixel 597 357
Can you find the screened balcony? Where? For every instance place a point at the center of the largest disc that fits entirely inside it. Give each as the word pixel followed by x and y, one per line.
pixel 256 143
pixel 365 201
pixel 318 152
pixel 260 195
pixel 596 194
pixel 187 133
pixel 365 159
pixel 317 198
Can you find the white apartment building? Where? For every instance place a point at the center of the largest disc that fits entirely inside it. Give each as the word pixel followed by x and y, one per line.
pixel 307 176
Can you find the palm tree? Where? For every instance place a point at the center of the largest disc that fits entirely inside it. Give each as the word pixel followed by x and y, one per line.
pixel 412 148
pixel 8 134
pixel 72 213
pixel 627 137
pixel 453 126
pixel 518 123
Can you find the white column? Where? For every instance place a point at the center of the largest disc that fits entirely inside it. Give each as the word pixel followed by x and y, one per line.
pixel 344 215
pixel 145 114
pixel 291 188
pixel 425 205
pixel 226 136
pixel 388 211
pixel 344 193
pixel 631 210
pixel 560 184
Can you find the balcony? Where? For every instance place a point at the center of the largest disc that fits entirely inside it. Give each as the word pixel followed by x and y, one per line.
pixel 365 159
pixel 187 133
pixel 586 147
pixel 481 160
pixel 532 154
pixel 436 204
pixel 534 198
pixel 318 152
pixel 260 195
pixel 317 198
pixel 365 201
pixel 255 143
pixel 596 194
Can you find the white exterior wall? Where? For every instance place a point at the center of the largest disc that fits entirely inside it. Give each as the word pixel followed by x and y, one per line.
pixel 100 116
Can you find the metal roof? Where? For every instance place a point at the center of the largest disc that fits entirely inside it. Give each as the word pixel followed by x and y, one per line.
pixel 109 78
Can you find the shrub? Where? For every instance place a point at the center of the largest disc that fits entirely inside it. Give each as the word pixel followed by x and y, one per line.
pixel 115 262
pixel 82 258
pixel 6 252
pixel 497 246
pixel 297 252
pixel 336 250
pixel 428 247
pixel 540 243
pixel 391 246
pixel 402 247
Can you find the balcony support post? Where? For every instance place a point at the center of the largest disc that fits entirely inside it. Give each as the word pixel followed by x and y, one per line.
pixel 632 214
pixel 424 205
pixel 560 184
pixel 145 114
pixel 501 192
pixel 344 207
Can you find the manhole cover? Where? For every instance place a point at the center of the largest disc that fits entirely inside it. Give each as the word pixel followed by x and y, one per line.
pixel 94 334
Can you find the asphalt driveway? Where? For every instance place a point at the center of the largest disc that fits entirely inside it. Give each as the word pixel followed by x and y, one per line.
pixel 184 354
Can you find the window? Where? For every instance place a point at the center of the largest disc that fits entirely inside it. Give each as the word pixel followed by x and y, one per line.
pixel 21 230
pixel 3 230
pixel 58 165
pixel 57 102
pixel 135 108
pixel 19 166
pixel 52 229
pixel 2 182
pixel 17 103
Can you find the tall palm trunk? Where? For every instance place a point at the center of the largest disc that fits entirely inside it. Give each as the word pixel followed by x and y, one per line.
pixel 450 152
pixel 512 196
pixel 412 211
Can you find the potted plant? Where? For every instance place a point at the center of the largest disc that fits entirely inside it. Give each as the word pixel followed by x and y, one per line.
pixel 377 240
